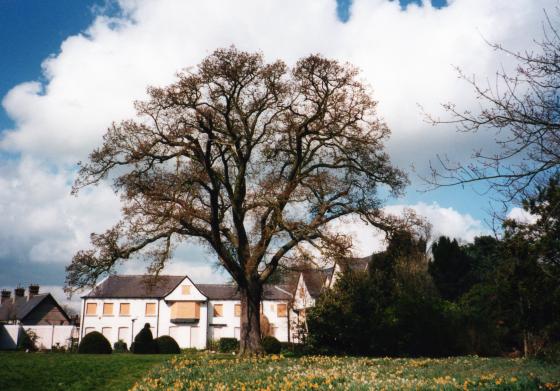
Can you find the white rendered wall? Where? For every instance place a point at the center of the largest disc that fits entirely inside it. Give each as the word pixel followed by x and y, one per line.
pixel 231 323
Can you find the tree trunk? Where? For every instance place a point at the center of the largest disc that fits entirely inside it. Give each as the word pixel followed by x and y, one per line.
pixel 250 336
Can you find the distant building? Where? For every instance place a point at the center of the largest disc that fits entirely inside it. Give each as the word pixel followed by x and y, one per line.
pixel 120 305
pixel 191 313
pixel 34 309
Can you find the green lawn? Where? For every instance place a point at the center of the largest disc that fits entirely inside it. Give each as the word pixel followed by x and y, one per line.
pixel 62 371
pixel 214 372
pixel 59 371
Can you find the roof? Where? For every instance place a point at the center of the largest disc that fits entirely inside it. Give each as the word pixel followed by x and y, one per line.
pixel 315 280
pixel 135 287
pixel 149 287
pixel 19 308
pixel 231 292
pixel 355 264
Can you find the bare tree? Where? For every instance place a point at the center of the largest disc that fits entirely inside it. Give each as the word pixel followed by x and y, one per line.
pixel 524 111
pixel 253 159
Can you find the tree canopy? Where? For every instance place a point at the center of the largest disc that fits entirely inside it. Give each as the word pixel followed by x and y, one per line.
pixel 254 159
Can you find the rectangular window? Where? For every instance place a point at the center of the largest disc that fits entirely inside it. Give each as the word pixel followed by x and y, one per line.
pixel 91 309
pixel 185 310
pixel 237 310
pixel 186 289
pixel 107 309
pixel 89 330
pixel 106 331
pixel 282 310
pixel 123 334
pixel 150 309
pixel 218 310
pixel 124 309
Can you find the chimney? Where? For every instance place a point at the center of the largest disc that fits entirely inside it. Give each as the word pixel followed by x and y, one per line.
pixel 5 296
pixel 19 292
pixel 33 290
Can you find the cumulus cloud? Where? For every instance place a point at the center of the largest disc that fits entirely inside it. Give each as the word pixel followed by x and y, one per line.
pixel 406 56
pixel 522 216
pixel 444 221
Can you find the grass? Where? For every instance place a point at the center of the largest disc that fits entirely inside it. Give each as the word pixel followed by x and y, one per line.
pixel 219 372
pixel 62 371
pixel 201 371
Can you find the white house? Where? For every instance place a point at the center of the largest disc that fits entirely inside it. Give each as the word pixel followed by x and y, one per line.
pixel 191 313
pixel 194 314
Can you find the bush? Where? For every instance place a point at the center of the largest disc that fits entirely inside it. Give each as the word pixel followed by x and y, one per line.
pixel 550 354
pixel 144 342
pixel 27 340
pixel 94 343
pixel 227 345
pixel 120 346
pixel 271 345
pixel 167 345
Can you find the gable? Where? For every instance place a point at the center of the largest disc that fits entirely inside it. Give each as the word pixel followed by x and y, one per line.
pixel 186 290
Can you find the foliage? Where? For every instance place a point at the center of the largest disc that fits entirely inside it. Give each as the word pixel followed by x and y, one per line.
pixel 120 346
pixel 393 310
pixel 226 155
pixel 544 233
pixel 94 343
pixel 271 345
pixel 27 340
pixel 144 342
pixel 214 372
pixel 226 345
pixel 450 268
pixel 167 345
pixel 77 372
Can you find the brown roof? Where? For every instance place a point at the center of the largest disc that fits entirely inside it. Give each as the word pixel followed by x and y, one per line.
pixel 136 287
pixel 315 280
pixel 142 286
pixel 231 292
pixel 355 264
pixel 19 307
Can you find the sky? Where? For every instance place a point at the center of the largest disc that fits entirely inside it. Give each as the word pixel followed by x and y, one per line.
pixel 71 67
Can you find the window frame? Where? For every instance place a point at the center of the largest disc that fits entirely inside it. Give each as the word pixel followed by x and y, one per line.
pixel 94 312
pixel 146 310
pixel 121 309
pixel 112 306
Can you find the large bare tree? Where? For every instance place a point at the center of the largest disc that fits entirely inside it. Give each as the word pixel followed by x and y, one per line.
pixel 252 158
pixel 523 108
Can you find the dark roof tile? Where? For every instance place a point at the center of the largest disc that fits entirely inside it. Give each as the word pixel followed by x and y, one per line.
pixel 135 287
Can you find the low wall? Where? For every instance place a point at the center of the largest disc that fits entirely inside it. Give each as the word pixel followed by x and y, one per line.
pixel 47 336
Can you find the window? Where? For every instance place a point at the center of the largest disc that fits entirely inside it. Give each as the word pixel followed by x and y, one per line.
pixel 106 331
pixel 123 334
pixel 124 309
pixel 218 310
pixel 185 310
pixel 186 289
pixel 89 330
pixel 150 309
pixel 237 310
pixel 107 309
pixel 282 310
pixel 91 309
pixel 301 292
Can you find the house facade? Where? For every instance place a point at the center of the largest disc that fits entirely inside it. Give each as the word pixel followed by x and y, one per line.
pixel 191 313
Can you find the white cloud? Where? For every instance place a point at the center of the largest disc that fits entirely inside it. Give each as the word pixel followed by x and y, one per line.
pixel 445 221
pixel 522 216
pixel 407 57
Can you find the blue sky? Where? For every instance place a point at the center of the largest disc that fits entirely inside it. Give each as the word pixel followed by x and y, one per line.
pixel 406 52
